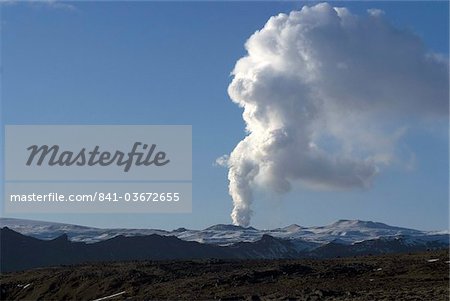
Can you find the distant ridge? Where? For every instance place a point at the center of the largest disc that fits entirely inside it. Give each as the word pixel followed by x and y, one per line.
pixel 366 224
pixel 20 252
pixel 229 227
pixel 344 231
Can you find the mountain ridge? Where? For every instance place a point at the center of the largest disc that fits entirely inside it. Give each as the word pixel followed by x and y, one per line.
pixel 15 249
pixel 346 231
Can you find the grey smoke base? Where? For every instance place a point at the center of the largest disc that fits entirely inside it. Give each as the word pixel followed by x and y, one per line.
pixel 326 96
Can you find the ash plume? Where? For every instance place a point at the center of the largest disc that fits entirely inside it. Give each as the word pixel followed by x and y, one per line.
pixel 326 96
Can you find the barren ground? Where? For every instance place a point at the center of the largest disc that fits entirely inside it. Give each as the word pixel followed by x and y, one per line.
pixel 388 277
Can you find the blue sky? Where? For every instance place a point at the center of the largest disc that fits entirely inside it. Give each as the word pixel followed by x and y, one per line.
pixel 170 63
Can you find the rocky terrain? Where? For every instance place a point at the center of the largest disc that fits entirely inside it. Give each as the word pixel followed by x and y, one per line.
pixel 416 276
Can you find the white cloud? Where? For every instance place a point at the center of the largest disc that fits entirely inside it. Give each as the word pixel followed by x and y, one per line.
pixel 55 4
pixel 375 12
pixel 222 161
pixel 327 95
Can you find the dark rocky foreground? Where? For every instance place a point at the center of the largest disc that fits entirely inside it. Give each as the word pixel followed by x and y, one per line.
pixel 418 276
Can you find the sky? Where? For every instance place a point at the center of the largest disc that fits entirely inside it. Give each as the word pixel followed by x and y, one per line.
pixel 172 63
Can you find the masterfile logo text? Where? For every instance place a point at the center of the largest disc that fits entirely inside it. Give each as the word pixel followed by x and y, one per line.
pixel 98 168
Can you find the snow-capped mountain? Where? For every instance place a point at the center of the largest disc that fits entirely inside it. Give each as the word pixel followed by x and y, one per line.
pixel 304 238
pixel 57 243
pixel 51 230
pixel 346 231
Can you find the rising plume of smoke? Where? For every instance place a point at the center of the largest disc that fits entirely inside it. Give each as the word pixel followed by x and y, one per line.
pixel 326 95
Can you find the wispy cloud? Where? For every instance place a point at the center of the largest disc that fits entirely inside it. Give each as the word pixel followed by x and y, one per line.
pixel 54 4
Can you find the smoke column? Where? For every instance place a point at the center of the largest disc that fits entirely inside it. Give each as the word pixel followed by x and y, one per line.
pixel 326 96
